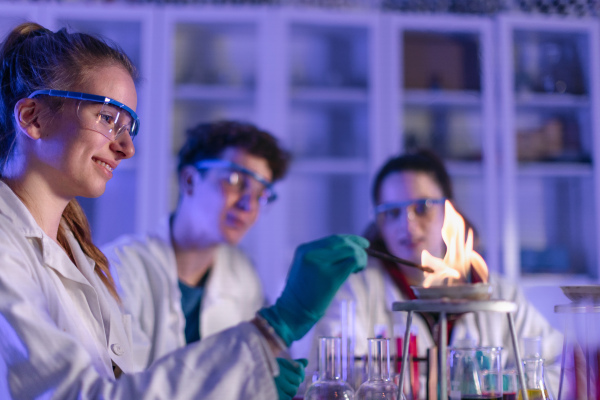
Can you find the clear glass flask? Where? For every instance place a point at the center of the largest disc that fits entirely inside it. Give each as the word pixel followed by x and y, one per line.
pixel 379 384
pixel 330 384
pixel 475 373
pixel 534 380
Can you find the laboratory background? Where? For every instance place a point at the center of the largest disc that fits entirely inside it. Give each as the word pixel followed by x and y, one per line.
pixel 506 91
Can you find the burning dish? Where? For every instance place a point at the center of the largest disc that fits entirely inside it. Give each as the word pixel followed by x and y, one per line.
pixel 452 275
pixel 467 291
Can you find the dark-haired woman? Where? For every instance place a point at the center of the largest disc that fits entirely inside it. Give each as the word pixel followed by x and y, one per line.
pixel 409 193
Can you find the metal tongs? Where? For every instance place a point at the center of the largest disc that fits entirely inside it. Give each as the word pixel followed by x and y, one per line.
pixel 389 257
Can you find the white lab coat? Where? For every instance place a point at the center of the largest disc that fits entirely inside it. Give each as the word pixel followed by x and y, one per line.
pixel 146 272
pixel 61 332
pixel 374 292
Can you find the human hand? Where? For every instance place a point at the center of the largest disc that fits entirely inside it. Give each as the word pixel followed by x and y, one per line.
pixel 291 375
pixel 318 270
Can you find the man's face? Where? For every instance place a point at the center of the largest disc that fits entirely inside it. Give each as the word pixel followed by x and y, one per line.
pixel 225 202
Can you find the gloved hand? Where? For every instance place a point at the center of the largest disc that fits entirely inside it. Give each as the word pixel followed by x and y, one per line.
pixel 291 375
pixel 318 270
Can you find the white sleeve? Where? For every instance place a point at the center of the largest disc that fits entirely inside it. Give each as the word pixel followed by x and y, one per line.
pixel 40 360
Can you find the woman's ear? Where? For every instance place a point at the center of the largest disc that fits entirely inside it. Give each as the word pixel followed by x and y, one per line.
pixel 26 113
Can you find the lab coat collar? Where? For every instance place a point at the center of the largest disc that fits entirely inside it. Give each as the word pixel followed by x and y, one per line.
pixel 13 208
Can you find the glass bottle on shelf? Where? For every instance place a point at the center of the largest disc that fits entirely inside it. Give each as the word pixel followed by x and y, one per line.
pixel 379 384
pixel 330 384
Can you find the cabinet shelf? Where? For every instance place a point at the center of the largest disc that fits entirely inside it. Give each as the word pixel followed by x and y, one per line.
pixel 330 95
pixel 559 170
pixel 546 279
pixel 546 100
pixel 465 168
pixel 416 97
pixel 213 92
pixel 330 166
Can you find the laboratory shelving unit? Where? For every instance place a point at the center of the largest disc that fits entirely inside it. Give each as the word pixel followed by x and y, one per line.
pixel 443 73
pixel 344 91
pixel 332 96
pixel 306 76
pixel 549 125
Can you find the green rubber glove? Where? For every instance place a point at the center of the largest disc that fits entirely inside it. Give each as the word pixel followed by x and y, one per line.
pixel 291 375
pixel 318 270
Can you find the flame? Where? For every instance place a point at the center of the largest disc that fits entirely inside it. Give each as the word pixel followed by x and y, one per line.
pixel 460 256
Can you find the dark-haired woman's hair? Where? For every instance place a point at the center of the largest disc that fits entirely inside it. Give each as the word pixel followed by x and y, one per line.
pixel 209 140
pixel 33 58
pixel 422 160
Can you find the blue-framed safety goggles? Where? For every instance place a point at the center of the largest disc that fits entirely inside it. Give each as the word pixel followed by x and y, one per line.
pixel 240 178
pixel 102 114
pixel 393 210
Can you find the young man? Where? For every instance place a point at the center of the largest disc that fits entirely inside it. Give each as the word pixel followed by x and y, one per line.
pixel 189 280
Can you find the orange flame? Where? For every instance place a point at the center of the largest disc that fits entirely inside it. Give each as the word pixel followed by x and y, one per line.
pixel 460 256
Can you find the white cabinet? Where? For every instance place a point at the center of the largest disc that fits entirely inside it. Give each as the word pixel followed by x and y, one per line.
pixel 549 91
pixel 330 87
pixel 209 71
pixel 442 93
pixel 305 77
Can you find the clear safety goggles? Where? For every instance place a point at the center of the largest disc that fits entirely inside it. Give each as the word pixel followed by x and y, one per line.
pixel 101 114
pixel 418 208
pixel 241 180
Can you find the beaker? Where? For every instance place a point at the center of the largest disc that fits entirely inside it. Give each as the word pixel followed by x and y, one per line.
pixel 475 373
pixel 330 384
pixel 379 384
pixel 580 362
pixel 510 384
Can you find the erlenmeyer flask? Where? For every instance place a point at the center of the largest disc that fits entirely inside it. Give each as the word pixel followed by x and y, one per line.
pixel 534 380
pixel 474 373
pixel 379 384
pixel 330 384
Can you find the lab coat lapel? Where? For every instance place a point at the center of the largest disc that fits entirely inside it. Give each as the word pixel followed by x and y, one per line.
pixel 116 327
pixel 61 263
pixel 81 291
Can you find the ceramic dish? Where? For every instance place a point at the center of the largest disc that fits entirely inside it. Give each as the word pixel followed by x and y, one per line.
pixel 476 291
pixel 586 293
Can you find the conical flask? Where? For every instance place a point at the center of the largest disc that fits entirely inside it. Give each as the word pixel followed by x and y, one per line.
pixel 378 384
pixel 534 380
pixel 330 384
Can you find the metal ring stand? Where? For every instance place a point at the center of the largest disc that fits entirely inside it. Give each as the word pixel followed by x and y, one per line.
pixel 450 306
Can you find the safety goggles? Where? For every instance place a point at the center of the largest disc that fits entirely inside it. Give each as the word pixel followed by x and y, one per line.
pixel 419 208
pixel 241 180
pixel 101 114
